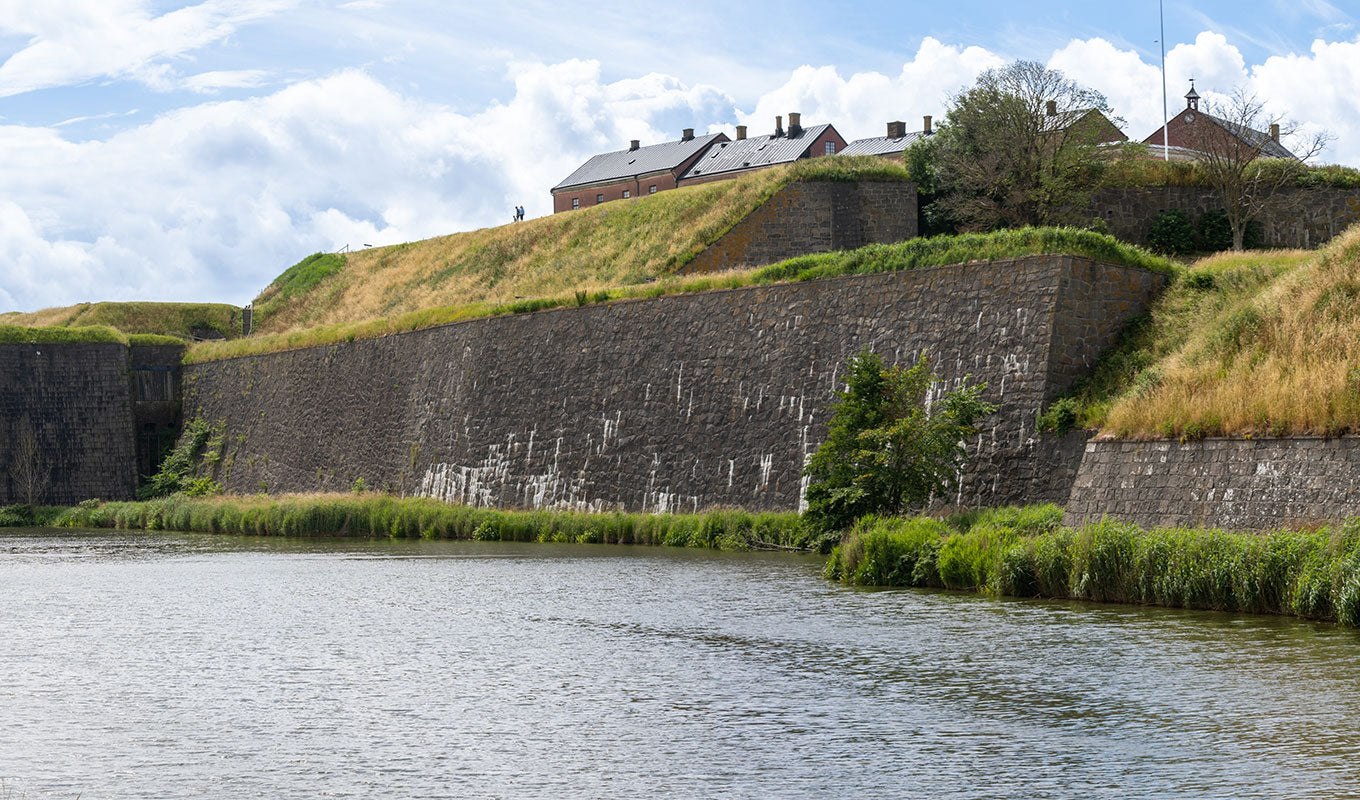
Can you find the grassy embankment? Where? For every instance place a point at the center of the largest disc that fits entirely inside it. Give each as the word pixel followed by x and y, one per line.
pixel 912 254
pixel 178 320
pixel 595 248
pixel 1026 553
pixel 1243 344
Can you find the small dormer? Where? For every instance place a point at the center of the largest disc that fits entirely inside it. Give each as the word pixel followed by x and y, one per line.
pixel 1192 98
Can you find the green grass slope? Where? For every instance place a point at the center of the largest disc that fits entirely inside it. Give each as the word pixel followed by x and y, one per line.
pixel 610 245
pixel 913 254
pixel 180 320
pixel 1260 343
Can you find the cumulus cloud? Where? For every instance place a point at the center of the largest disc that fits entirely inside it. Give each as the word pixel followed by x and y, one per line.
pixel 71 41
pixel 860 104
pixel 211 201
pixel 1318 91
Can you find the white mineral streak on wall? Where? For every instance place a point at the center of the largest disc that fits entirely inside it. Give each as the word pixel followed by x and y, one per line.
pixel 611 429
pixel 661 501
pixel 486 484
pixel 766 467
pixel 806 479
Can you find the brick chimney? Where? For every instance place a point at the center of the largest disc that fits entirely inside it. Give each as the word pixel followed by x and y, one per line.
pixel 795 124
pixel 1275 131
pixel 896 130
pixel 741 132
pixel 925 125
pixel 687 134
pixel 778 126
pixel 1052 108
pixel 633 145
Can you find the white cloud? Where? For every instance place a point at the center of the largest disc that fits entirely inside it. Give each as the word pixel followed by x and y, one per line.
pixel 861 104
pixel 210 202
pixel 1318 91
pixel 208 82
pixel 72 41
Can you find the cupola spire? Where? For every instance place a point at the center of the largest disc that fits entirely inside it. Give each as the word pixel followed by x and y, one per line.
pixel 1192 98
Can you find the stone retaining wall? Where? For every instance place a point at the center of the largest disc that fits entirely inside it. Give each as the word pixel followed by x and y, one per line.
pixel 1305 217
pixel 75 399
pixel 1247 484
pixel 670 404
pixel 814 217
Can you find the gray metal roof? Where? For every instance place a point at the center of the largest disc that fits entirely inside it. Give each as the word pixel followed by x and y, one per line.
pixel 757 151
pixel 627 163
pixel 881 145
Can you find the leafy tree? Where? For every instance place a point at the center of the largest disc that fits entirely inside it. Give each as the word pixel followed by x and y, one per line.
pixel 892 444
pixel 1239 149
pixel 1021 147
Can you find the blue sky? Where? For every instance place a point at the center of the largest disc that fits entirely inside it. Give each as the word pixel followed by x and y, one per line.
pixel 193 150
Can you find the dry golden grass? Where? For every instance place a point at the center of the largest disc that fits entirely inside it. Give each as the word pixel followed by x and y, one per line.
pixel 1285 360
pixel 616 244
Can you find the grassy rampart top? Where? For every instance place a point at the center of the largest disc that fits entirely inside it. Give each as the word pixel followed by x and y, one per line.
pixel 913 254
pixel 617 243
pixel 179 320
pixel 89 334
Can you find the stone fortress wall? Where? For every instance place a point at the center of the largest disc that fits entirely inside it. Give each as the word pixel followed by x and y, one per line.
pixel 676 403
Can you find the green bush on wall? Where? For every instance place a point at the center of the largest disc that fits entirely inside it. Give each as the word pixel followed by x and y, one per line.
pixel 1172 233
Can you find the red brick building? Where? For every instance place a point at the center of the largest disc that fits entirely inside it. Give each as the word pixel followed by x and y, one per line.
pixel 1090 124
pixel 634 172
pixel 729 159
pixel 1189 132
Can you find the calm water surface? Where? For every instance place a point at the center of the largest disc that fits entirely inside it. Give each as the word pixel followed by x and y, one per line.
pixel 169 665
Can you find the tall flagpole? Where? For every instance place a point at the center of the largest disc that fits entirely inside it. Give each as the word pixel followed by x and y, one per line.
pixel 1161 19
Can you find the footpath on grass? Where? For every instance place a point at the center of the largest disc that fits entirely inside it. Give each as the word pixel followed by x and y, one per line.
pixel 1012 552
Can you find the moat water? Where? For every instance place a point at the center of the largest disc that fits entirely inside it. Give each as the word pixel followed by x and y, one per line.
pixel 155 665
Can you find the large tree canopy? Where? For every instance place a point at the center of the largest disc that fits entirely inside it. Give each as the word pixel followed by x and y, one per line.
pixel 1021 147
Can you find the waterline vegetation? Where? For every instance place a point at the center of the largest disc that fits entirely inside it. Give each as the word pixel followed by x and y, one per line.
pixel 1004 552
pixel 1026 552
pixel 371 514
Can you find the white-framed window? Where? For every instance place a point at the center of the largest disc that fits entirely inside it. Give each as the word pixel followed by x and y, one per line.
pixel 599 198
pixel 831 148
pixel 627 194
pixel 651 189
pixel 575 203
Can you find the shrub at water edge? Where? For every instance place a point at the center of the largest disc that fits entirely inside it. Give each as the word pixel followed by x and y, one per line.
pixel 1025 553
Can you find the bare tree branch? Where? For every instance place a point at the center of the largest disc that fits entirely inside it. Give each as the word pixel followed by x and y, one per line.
pixel 28 465
pixel 1242 153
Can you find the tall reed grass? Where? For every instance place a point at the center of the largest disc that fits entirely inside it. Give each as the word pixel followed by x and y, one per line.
pixel 1026 553
pixel 370 515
